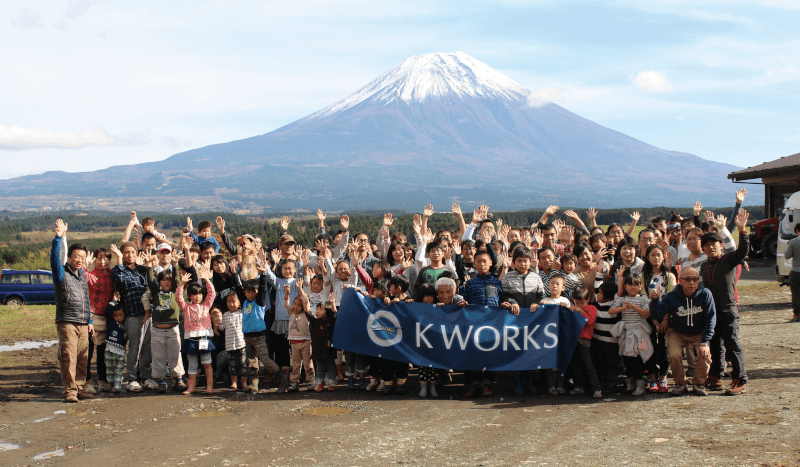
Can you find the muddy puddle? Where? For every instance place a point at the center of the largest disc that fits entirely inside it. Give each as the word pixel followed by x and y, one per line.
pixel 27 345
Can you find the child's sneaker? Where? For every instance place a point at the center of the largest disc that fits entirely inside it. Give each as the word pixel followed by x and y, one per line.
pixel 561 390
pixel 351 383
pixel 388 387
pixel 105 387
pixel 150 384
pixel 310 385
pixel 380 387
pixel 292 387
pixel 180 385
pixel 470 392
pixel 652 386
pixel 320 388
pixel 553 391
pixel 362 383
pixel 400 388
pixel 576 391
pixel 89 387
pixel 597 395
pixel 487 391
pixel 162 386
pixel 116 390
pixel 134 386
pixel 663 386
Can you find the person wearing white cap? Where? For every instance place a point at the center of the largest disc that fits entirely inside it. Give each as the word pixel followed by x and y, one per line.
pixel 164 258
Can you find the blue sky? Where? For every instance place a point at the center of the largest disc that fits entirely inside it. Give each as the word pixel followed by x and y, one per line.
pixel 89 84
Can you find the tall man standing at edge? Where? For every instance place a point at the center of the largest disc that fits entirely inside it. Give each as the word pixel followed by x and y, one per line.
pixel 73 314
pixel 719 276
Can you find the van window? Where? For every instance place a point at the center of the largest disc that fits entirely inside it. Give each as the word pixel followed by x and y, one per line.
pixel 41 278
pixel 16 279
pixel 787 227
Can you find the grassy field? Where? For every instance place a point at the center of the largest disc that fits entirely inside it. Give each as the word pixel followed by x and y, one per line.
pixel 29 322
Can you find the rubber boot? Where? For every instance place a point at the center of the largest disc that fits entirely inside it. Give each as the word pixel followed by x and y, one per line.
pixel 192 385
pixel 282 381
pixel 351 383
pixel 423 389
pixel 432 389
pixel 629 384
pixel 639 387
pixel 254 385
pixel 209 378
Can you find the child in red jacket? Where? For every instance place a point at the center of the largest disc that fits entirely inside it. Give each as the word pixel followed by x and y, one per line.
pixel 581 366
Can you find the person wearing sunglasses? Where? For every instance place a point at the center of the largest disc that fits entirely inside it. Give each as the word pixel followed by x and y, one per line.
pixel 688 316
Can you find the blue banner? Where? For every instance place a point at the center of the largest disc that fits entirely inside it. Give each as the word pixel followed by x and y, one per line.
pixel 469 338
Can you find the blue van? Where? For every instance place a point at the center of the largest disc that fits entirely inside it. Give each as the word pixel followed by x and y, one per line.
pixel 21 287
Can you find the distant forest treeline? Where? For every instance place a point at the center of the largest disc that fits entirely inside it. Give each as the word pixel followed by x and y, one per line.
pixel 18 254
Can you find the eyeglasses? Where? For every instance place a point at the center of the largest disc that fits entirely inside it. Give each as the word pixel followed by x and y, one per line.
pixel 692 239
pixel 690 279
pixel 362 240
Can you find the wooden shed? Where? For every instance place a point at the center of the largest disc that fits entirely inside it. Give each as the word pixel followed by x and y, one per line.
pixel 780 177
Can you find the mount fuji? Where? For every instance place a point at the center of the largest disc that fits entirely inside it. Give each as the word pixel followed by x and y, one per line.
pixel 437 128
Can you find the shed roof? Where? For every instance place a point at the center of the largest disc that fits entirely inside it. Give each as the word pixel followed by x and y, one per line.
pixel 767 168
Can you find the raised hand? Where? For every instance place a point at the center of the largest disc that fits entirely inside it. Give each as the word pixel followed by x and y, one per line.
pixel 306 257
pixel 477 217
pixel 117 253
pixel 287 290
pixel 592 213
pixel 133 217
pixel 147 258
pixel 299 282
pixel 89 261
pixel 740 194
pixel 177 255
pixel 384 232
pixel 456 247
pixel 428 237
pixel 276 256
pixel 285 223
pixel 621 274
pixel 220 224
pixel 388 219
pixel 140 258
pixel 61 228
pixel 505 261
pixel 428 211
pixel 534 260
pixel 551 210
pixel 537 235
pixel 185 278
pixel 455 209
pixel 698 208
pixel 558 224
pixel 720 222
pixel 503 232
pixel 710 217
pixel 345 222
pixel 567 235
pixel 741 220
pixel 484 211
pixel 321 216
pixel 417 224
pixel 572 215
pixel 636 216
pixel 499 225
pixel 189 225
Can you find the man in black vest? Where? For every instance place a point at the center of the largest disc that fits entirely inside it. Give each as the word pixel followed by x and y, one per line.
pixel 73 314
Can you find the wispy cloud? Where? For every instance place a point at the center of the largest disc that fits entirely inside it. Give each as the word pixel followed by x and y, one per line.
pixel 544 96
pixel 77 8
pixel 652 81
pixel 28 18
pixel 15 137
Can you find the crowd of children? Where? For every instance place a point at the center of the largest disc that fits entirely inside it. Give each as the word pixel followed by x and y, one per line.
pixel 167 308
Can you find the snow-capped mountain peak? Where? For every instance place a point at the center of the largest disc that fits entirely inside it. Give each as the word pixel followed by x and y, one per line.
pixel 429 76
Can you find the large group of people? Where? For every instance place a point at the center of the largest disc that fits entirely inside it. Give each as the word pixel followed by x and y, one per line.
pixel 255 316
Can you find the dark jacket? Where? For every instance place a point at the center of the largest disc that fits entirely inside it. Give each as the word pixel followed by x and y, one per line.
pixel 689 316
pixel 321 335
pixel 72 290
pixel 720 278
pixel 523 290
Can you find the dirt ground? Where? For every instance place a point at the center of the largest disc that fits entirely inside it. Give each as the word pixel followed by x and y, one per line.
pixel 234 429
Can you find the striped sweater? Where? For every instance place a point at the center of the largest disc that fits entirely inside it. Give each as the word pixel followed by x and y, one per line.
pixel 604 323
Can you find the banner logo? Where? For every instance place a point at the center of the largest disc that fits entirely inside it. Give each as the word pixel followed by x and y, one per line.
pixel 384 328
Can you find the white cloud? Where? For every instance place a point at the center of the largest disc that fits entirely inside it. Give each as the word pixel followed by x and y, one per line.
pixel 28 18
pixel 544 96
pixel 15 137
pixel 77 8
pixel 652 81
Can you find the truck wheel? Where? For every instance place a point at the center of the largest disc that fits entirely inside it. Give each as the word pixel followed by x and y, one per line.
pixel 770 246
pixel 15 301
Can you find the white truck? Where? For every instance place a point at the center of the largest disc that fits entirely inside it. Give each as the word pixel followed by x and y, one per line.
pixel 790 216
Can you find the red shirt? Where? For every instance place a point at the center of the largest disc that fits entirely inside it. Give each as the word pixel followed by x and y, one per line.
pixel 591 314
pixel 101 290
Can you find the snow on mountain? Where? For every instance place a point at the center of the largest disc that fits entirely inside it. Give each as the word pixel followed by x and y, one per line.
pixel 430 76
pixel 436 128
